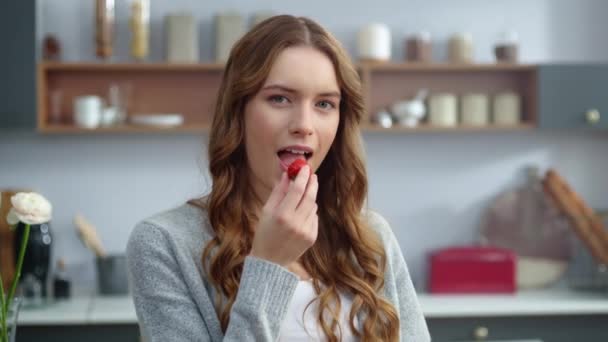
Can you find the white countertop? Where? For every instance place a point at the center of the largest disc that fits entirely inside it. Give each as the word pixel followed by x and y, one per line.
pixel 523 303
pixel 82 311
pixel 120 310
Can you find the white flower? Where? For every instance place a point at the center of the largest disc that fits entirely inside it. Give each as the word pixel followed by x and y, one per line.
pixel 29 208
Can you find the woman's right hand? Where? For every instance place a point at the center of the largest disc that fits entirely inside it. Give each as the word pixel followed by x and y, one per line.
pixel 289 223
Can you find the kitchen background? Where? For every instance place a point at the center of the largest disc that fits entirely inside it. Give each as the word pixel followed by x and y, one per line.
pixel 431 187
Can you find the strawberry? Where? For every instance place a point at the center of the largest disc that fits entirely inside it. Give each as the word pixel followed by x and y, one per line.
pixel 294 168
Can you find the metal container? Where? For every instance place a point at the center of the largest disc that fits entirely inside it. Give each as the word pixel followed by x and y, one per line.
pixel 112 275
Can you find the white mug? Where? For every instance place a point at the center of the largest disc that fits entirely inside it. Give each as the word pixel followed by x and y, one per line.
pixel 87 111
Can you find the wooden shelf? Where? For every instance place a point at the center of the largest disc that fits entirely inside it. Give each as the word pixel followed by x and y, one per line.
pixel 92 66
pixel 200 128
pixel 376 66
pixel 438 129
pixel 445 67
pixel 191 89
pixel 123 129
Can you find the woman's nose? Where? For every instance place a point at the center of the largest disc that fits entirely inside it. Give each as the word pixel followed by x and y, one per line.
pixel 301 122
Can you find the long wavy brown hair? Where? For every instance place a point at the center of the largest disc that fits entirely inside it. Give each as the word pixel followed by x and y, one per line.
pixel 347 256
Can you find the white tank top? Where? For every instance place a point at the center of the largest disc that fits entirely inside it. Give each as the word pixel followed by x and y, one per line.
pixel 295 329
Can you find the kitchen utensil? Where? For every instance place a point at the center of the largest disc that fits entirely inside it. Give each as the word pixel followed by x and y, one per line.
pixel 410 112
pixel 586 223
pixel 88 234
pixel 382 119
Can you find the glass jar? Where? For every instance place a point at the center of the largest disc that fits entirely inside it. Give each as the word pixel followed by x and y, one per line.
pixel 104 24
pixel 11 320
pixel 140 28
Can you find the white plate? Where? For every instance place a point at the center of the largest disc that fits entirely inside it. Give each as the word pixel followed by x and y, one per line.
pixel 165 120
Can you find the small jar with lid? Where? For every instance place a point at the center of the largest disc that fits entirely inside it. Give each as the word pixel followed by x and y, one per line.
pixel 418 47
pixel 460 49
pixel 506 49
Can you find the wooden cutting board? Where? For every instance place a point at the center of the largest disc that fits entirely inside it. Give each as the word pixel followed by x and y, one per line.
pixel 7 253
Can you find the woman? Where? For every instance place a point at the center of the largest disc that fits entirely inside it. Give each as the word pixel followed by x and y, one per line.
pixel 263 257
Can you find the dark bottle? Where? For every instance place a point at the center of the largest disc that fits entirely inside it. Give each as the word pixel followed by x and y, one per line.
pixel 37 259
pixel 61 284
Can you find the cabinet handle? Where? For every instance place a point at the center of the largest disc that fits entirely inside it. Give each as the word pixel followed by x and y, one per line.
pixel 481 333
pixel 593 116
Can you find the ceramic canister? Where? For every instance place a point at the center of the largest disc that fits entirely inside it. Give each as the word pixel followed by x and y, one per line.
pixel 374 42
pixel 507 108
pixel 443 110
pixel 474 109
pixel 460 48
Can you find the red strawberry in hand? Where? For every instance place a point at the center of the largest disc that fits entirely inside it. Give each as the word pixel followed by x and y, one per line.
pixel 294 168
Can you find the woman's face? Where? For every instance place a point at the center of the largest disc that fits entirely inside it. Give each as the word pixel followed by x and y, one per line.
pixel 294 115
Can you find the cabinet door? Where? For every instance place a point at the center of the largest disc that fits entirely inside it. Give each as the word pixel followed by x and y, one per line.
pixel 18 64
pixel 553 328
pixel 573 96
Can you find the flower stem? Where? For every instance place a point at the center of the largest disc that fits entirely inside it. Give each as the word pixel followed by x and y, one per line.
pixel 9 298
pixel 3 309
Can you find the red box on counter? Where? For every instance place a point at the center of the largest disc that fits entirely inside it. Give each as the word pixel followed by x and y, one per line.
pixel 472 270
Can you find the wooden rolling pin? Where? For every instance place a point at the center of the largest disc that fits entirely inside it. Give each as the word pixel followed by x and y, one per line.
pixel 88 235
pixel 587 224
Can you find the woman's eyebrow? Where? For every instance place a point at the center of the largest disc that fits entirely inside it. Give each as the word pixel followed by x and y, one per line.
pixel 293 91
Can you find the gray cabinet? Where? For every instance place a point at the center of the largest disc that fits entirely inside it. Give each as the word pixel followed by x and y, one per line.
pixel 573 96
pixel 557 328
pixel 18 64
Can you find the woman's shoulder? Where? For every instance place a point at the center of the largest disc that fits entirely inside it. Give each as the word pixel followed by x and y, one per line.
pixel 186 225
pixel 380 225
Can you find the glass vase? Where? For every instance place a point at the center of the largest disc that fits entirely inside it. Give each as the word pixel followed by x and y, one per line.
pixel 11 322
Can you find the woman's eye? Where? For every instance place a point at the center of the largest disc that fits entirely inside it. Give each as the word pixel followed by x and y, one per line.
pixel 326 105
pixel 280 99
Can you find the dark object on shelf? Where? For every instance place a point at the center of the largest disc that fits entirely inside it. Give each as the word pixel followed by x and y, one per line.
pixel 506 53
pixel 52 48
pixel 418 48
pixel 61 283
